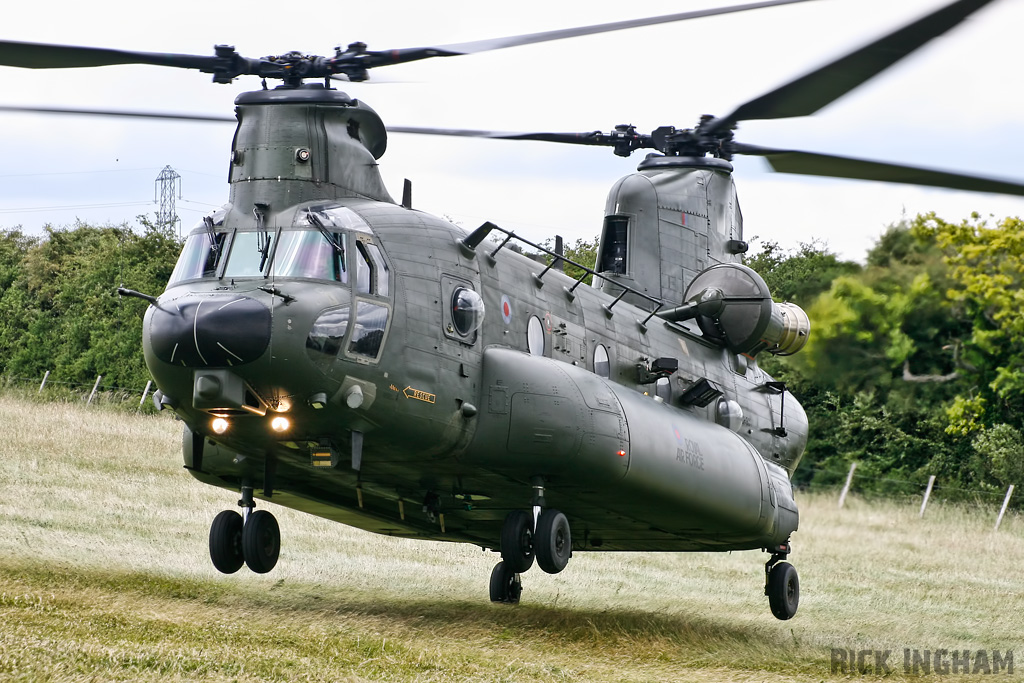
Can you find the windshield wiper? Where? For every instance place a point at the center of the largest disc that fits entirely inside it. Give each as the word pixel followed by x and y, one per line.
pixel 333 238
pixel 263 245
pixel 211 233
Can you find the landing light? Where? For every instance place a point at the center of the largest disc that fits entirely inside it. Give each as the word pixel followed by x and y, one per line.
pixel 280 424
pixel 219 425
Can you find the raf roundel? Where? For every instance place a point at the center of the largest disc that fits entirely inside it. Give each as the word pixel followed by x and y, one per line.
pixel 506 309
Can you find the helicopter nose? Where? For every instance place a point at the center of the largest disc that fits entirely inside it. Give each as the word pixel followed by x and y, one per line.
pixel 213 331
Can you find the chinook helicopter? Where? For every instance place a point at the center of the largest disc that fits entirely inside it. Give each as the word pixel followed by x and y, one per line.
pixel 337 352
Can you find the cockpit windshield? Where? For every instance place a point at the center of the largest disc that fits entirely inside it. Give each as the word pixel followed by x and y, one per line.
pixel 199 257
pixel 311 254
pixel 250 252
pixel 324 242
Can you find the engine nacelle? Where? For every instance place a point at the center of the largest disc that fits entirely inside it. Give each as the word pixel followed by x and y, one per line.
pixel 732 305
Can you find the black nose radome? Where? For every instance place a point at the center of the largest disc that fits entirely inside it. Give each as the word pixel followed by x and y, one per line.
pixel 212 331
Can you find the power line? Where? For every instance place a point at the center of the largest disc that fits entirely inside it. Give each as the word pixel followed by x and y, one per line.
pixel 51 173
pixel 74 206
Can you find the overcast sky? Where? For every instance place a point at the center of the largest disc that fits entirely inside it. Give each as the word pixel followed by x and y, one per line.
pixel 956 104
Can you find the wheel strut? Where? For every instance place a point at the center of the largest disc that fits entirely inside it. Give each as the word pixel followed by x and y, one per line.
pixel 781 583
pixel 538 499
pixel 247 503
pixel 779 553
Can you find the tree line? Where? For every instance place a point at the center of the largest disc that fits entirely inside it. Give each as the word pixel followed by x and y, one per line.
pixel 915 364
pixel 59 310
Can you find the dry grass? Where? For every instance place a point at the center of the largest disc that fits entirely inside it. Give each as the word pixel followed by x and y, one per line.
pixel 104 576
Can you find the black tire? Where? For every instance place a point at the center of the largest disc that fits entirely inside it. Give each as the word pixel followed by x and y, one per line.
pixel 552 541
pixel 505 584
pixel 517 541
pixel 783 590
pixel 261 541
pixel 226 542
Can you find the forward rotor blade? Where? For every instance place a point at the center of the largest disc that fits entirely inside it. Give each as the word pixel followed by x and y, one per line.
pixel 227 64
pixel 809 93
pixel 545 36
pixel 119 113
pixel 46 56
pixel 454 49
pixel 811 163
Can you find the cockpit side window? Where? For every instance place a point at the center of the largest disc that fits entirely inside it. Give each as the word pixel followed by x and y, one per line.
pixel 380 267
pixel 364 270
pixel 371 269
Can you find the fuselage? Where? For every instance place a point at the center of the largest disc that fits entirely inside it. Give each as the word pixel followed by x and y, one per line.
pixel 354 359
pixel 355 331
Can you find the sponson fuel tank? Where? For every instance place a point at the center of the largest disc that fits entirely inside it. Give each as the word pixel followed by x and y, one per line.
pixel 583 433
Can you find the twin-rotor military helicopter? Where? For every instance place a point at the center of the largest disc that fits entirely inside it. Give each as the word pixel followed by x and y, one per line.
pixel 340 353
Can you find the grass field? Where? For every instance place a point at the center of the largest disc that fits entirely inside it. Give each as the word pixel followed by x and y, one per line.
pixel 104 575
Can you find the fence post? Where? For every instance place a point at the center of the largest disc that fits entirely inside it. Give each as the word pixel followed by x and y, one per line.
pixel 1006 501
pixel 927 493
pixel 94 388
pixel 846 487
pixel 145 392
pixel 45 377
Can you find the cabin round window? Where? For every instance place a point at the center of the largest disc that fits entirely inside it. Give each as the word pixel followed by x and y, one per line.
pixel 601 365
pixel 729 414
pixel 467 311
pixel 535 336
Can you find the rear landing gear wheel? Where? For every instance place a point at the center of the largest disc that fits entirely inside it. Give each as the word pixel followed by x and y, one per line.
pixel 552 541
pixel 505 584
pixel 783 590
pixel 261 541
pixel 226 542
pixel 517 541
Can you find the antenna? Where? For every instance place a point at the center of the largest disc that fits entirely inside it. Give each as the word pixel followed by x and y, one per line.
pixel 164 187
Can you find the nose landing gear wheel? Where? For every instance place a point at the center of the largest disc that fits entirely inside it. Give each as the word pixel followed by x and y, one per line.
pixel 783 590
pixel 552 542
pixel 506 585
pixel 226 542
pixel 261 541
pixel 517 541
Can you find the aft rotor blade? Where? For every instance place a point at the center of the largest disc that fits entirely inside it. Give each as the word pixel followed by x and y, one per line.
pixel 454 49
pixel 811 163
pixel 624 139
pixel 809 93
pixel 119 113
pixel 569 138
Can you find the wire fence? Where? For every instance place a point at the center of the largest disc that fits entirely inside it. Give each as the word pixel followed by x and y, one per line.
pixel 50 388
pixel 841 483
pixel 912 492
pixel 888 487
